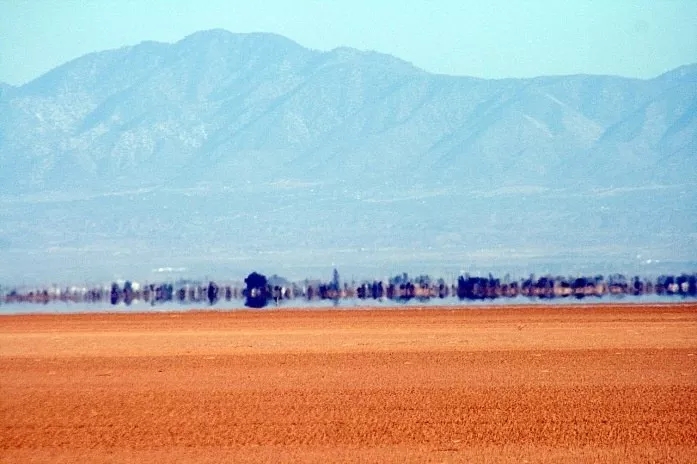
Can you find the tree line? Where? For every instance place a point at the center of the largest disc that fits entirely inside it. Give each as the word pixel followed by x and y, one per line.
pixel 258 291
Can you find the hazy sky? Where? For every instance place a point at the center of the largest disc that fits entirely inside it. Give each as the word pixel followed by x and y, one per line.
pixel 495 38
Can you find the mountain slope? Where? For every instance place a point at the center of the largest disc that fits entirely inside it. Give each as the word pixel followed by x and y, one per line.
pixel 236 104
pixel 223 152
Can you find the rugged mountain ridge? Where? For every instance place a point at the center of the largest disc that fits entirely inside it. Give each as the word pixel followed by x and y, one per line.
pixel 224 153
pixel 218 103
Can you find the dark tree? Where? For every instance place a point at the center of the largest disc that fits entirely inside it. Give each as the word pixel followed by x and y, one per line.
pixel 115 296
pixel 692 285
pixel 683 284
pixel 362 291
pixel 147 294
pixel 462 287
pixel 212 293
pixel 545 287
pixel 256 291
pixel 472 288
pixel 617 285
pixel 336 284
pixel 579 287
pixel 168 292
pixel 442 289
pixel 378 290
pixel 323 291
pixel 128 293
pixel 638 286
pixel 277 294
pixel 390 291
pixel 159 293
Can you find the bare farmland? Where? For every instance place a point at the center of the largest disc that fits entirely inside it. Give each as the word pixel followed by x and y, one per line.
pixel 556 384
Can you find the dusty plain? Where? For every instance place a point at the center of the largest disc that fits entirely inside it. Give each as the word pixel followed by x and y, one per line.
pixel 611 383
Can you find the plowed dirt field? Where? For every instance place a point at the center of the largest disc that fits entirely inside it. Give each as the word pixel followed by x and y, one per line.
pixel 502 384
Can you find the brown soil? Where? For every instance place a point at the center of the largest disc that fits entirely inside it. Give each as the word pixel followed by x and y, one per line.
pixel 535 384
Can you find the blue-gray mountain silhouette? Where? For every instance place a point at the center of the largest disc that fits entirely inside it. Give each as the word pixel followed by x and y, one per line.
pixel 244 144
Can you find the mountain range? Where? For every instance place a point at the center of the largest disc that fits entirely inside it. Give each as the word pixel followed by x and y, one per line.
pixel 227 151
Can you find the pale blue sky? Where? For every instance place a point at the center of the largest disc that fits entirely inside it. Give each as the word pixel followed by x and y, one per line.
pixel 496 38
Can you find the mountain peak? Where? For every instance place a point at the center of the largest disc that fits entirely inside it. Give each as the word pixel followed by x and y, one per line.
pixel 251 39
